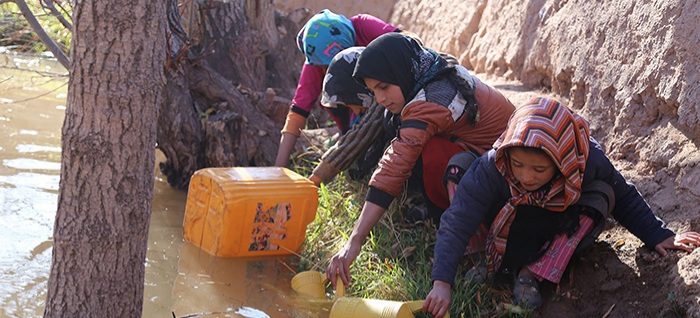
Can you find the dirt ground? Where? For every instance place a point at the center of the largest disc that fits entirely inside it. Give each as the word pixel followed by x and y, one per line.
pixel 616 278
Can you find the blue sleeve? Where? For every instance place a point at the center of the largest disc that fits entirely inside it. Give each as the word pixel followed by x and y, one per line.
pixel 631 210
pixel 477 194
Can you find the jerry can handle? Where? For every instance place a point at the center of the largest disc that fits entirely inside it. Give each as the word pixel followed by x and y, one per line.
pixel 417 305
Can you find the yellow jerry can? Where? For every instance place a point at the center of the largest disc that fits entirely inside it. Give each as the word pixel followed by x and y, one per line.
pixel 249 211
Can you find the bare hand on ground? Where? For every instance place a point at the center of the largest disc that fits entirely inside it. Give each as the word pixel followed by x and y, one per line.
pixel 684 241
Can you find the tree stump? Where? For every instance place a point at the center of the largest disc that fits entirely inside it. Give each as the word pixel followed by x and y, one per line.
pixel 231 73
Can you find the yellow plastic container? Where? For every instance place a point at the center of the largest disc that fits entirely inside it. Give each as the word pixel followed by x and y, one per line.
pixel 349 307
pixel 313 284
pixel 249 211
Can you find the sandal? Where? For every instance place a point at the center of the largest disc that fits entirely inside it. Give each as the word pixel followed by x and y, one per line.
pixel 526 292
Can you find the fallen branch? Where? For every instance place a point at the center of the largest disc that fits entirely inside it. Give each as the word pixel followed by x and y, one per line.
pixel 609 311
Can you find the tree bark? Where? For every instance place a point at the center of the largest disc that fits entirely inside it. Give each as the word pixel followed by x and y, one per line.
pixel 109 133
pixel 227 60
pixel 232 71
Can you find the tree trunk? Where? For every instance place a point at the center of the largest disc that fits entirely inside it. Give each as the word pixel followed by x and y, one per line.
pixel 106 187
pixel 232 71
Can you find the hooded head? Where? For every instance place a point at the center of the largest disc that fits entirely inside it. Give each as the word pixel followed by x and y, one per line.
pixel 339 87
pixel 561 134
pixel 399 60
pixel 556 132
pixel 323 36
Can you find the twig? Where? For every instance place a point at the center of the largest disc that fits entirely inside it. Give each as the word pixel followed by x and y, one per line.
pixel 41 33
pixel 49 5
pixel 295 254
pixel 609 311
pixel 287 266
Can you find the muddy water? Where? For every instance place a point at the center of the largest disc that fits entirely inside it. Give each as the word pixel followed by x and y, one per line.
pixel 181 280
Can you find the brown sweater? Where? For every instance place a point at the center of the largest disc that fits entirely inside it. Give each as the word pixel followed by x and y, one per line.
pixel 421 120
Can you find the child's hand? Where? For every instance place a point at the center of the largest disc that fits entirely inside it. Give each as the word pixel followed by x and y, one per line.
pixel 683 241
pixel 340 263
pixel 316 180
pixel 439 299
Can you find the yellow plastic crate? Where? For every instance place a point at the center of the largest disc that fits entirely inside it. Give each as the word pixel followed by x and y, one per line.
pixel 249 211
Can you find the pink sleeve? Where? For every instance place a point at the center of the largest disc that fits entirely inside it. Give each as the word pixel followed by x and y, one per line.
pixel 308 89
pixel 368 28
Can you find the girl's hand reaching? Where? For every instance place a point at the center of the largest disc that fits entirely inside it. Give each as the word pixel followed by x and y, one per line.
pixel 685 241
pixel 340 263
pixel 439 299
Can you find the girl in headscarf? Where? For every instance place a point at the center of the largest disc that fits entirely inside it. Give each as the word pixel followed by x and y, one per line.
pixel 544 187
pixel 446 117
pixel 320 39
pixel 366 139
pixel 370 130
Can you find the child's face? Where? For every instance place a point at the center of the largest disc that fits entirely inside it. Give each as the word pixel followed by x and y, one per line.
pixel 533 169
pixel 387 95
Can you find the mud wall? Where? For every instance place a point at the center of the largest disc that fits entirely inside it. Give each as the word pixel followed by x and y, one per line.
pixel 631 67
pixel 378 8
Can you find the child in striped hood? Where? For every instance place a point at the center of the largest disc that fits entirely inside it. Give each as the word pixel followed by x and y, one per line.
pixel 544 188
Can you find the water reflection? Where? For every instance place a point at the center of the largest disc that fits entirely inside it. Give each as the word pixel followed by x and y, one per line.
pixel 37 148
pixel 30 121
pixel 31 164
pixel 250 287
pixel 180 278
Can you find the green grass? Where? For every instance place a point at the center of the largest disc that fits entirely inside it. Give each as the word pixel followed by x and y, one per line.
pixel 397 257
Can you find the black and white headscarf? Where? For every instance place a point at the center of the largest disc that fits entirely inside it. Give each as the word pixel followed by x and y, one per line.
pixel 339 87
pixel 399 60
